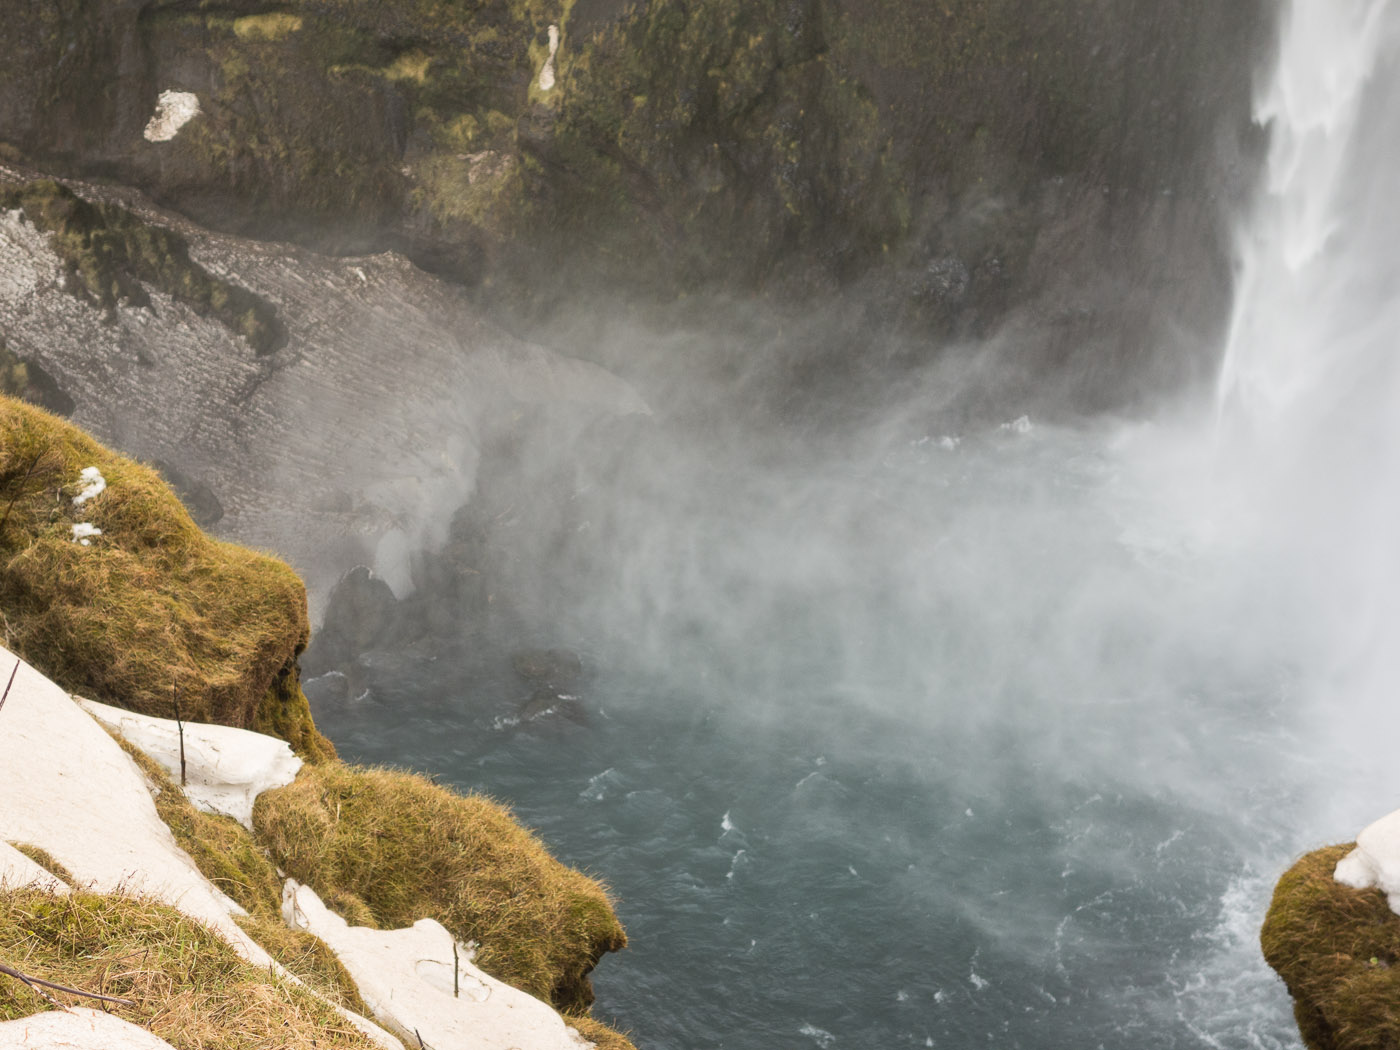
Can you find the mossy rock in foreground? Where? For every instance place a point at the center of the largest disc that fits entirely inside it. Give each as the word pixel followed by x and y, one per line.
pixel 1338 950
pixel 408 849
pixel 151 605
pixel 188 986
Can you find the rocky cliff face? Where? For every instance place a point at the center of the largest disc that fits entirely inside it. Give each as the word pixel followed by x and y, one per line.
pixel 352 443
pixel 1053 171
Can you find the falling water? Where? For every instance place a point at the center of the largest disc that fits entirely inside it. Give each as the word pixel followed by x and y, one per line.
pixel 1310 384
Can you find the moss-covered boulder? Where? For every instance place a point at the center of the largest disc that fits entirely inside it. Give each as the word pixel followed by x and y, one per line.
pixel 119 596
pixel 396 848
pixel 1338 950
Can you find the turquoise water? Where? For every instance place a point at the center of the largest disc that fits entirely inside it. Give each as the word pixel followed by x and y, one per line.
pixel 993 740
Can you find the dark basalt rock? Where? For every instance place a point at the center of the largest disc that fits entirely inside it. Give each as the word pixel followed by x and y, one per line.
pixel 1052 171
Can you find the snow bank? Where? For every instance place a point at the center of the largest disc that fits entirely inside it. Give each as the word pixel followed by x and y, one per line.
pixel 72 791
pixel 1375 861
pixel 77 1028
pixel 226 768
pixel 406 978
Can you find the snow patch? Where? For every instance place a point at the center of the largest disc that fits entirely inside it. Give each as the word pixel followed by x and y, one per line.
pixel 547 73
pixel 94 484
pixel 1376 860
pixel 406 977
pixel 84 531
pixel 226 768
pixel 77 1028
pixel 18 870
pixel 174 109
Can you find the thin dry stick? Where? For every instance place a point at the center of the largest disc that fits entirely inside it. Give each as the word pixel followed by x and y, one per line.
pixel 455 967
pixel 175 696
pixel 34 981
pixel 6 694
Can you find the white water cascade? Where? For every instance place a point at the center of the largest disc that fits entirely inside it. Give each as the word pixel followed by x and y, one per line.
pixel 1310 387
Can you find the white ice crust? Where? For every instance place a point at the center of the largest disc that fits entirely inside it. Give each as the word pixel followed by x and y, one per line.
pixel 406 979
pixel 174 109
pixel 226 769
pixel 77 1028
pixel 1376 860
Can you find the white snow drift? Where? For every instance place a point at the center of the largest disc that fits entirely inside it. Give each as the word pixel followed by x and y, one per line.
pixel 406 979
pixel 77 1028
pixel 226 768
pixel 1375 861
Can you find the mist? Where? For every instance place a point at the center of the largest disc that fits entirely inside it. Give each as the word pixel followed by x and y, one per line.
pixel 914 715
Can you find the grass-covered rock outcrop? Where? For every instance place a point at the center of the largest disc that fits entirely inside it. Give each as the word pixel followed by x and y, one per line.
pixel 392 847
pixel 1338 950
pixel 150 608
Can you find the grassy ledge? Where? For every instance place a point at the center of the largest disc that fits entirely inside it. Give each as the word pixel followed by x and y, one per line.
pixel 150 605
pixel 404 849
pixel 1338 950
pixel 190 988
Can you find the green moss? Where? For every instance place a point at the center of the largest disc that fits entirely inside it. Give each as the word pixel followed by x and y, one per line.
pixel 187 984
pixel 285 712
pixel 274 26
pixel 45 860
pixel 153 604
pixel 407 849
pixel 1338 950
pixel 108 254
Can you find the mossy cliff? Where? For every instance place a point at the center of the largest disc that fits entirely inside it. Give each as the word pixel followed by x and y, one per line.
pixel 150 611
pixel 944 163
pixel 1338 950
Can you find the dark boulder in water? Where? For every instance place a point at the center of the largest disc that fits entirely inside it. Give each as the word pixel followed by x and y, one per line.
pixel 555 667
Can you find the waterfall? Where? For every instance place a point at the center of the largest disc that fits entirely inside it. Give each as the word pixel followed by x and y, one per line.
pixel 1309 392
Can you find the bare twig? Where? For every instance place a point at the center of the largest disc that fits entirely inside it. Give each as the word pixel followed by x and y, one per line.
pixel 6 694
pixel 34 982
pixel 455 967
pixel 179 725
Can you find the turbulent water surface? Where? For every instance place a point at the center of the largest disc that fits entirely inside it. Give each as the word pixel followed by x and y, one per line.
pixel 1000 737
